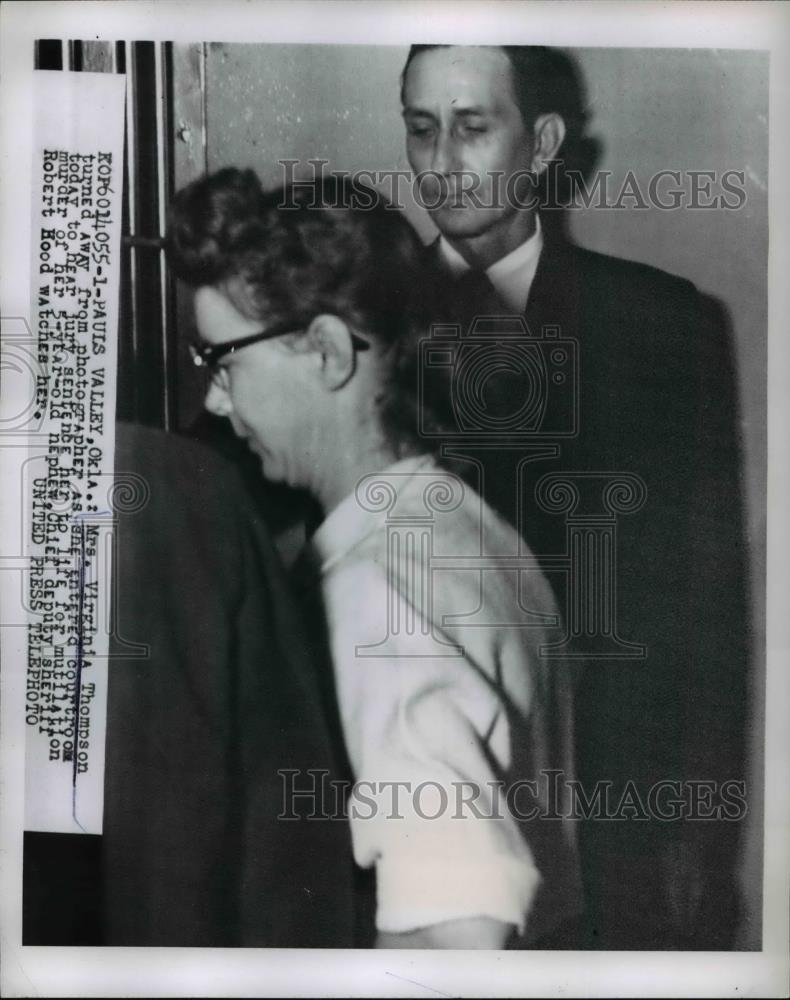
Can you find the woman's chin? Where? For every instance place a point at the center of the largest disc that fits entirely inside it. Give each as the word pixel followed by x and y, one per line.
pixel 269 467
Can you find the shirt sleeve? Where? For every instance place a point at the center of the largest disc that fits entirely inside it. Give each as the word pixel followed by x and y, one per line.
pixel 419 719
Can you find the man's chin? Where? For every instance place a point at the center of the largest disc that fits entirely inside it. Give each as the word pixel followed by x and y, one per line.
pixel 463 223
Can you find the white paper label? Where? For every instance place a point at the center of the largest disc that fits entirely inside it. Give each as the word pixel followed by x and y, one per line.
pixel 68 475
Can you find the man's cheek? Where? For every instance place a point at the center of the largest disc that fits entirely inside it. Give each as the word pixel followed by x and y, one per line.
pixel 418 158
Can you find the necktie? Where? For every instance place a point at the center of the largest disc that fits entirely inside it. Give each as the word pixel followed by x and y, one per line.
pixel 479 294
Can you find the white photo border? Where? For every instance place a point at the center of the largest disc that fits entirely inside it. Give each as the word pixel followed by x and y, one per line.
pixel 28 971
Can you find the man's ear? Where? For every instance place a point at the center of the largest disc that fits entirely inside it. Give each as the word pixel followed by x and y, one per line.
pixel 330 339
pixel 548 134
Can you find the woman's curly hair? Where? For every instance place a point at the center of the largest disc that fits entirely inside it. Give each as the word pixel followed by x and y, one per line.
pixel 334 247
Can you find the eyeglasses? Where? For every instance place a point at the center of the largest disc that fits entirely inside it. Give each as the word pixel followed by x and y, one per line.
pixel 206 355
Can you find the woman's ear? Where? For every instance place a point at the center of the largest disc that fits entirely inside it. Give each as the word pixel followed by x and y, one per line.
pixel 330 339
pixel 548 135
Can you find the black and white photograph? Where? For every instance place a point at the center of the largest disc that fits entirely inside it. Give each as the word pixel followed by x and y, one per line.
pixel 394 437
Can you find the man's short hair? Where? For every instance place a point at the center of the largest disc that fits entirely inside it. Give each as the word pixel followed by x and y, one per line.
pixel 545 80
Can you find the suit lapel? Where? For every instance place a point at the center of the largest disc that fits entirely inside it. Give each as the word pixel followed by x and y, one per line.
pixel 555 292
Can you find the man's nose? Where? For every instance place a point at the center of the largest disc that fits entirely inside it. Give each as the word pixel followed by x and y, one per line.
pixel 445 154
pixel 218 401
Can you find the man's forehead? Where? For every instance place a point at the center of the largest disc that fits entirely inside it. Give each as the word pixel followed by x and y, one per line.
pixel 460 76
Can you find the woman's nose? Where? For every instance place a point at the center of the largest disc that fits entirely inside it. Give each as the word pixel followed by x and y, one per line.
pixel 218 401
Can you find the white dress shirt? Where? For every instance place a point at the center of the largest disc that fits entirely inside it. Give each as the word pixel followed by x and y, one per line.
pixel 511 276
pixel 421 696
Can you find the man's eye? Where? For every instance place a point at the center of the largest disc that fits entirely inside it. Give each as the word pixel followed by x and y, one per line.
pixel 475 129
pixel 420 130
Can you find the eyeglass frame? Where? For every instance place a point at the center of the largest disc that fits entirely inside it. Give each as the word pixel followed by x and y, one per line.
pixel 205 355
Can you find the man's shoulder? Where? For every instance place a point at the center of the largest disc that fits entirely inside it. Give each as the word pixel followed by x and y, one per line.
pixel 627 303
pixel 170 487
pixel 632 277
pixel 172 457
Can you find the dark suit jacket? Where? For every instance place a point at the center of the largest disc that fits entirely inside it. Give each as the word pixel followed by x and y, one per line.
pixel 194 852
pixel 656 398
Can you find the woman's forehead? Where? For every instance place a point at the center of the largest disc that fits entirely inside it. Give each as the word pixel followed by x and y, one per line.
pixel 242 296
pixel 218 317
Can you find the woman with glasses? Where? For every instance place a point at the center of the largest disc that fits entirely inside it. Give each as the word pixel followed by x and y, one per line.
pixel 311 303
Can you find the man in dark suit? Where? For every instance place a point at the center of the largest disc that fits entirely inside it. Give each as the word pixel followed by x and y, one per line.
pixel 664 698
pixel 217 711
pixel 225 696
